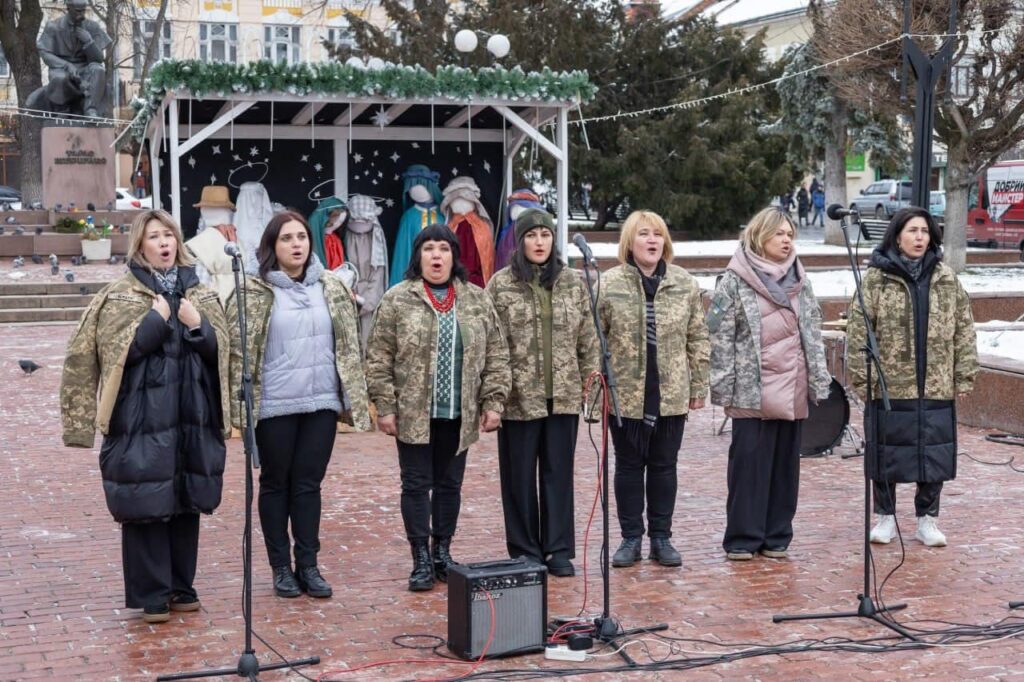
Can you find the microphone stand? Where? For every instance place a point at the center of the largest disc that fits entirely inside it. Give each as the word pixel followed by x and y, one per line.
pixel 248 665
pixel 866 607
pixel 607 628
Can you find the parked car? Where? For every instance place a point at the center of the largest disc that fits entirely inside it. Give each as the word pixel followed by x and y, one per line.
pixel 937 204
pixel 881 200
pixel 126 201
pixel 10 198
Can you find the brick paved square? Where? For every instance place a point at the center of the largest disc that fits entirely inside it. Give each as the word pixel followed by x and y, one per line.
pixel 61 591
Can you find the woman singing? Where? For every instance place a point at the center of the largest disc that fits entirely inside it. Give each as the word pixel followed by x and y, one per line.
pixel 652 315
pixel 303 347
pixel 437 369
pixel 155 343
pixel 922 319
pixel 545 311
pixel 767 359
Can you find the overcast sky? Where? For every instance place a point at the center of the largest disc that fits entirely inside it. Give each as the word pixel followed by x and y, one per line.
pixel 731 11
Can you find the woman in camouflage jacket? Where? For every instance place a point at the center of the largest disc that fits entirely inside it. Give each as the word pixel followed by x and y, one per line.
pixel 437 370
pixel 767 359
pixel 155 343
pixel 922 320
pixel 306 369
pixel 653 317
pixel 545 314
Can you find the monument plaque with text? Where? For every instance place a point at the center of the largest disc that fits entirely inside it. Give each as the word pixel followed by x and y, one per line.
pixel 78 167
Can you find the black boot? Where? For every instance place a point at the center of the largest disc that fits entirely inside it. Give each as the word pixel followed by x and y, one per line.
pixel 628 552
pixel 442 558
pixel 664 553
pixel 285 584
pixel 312 583
pixel 422 576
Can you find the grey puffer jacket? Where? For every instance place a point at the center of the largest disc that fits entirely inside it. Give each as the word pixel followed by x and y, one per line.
pixel 299 374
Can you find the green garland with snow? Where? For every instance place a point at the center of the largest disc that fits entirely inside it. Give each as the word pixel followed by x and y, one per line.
pixel 334 78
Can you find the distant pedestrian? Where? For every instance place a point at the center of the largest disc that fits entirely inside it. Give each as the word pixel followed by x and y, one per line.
pixel 786 203
pixel 818 199
pixel 140 185
pixel 803 205
pixel 815 186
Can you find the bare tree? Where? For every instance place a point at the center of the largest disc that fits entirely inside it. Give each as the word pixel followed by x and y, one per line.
pixel 20 21
pixel 978 120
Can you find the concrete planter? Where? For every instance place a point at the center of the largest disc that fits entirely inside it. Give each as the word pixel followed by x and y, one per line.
pixel 96 249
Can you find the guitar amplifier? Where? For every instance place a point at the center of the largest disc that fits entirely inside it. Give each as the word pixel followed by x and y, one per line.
pixel 517 591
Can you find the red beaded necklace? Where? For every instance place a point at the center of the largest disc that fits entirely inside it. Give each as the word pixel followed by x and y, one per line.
pixel 441 306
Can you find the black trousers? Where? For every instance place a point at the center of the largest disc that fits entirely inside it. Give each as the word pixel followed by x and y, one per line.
pixel 432 481
pixel 926 500
pixel 294 452
pixel 649 467
pixel 159 560
pixel 764 481
pixel 537 455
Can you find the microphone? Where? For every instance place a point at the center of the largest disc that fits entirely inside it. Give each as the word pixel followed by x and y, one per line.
pixel 837 212
pixel 232 250
pixel 581 243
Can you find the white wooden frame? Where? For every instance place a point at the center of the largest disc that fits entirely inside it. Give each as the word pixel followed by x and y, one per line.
pixel 182 138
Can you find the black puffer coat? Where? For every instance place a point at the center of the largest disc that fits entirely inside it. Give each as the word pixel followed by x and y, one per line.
pixel 916 440
pixel 164 452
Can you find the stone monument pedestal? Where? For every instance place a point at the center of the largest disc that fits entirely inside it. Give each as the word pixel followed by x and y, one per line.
pixel 78 167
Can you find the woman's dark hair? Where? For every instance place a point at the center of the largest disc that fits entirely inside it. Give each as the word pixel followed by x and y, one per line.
pixel 266 253
pixel 438 232
pixel 522 268
pixel 900 220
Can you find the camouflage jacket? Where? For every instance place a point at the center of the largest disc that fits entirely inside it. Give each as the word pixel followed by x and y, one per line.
pixel 401 359
pixel 952 355
pixel 683 346
pixel 99 347
pixel 259 305
pixel 574 348
pixel 734 320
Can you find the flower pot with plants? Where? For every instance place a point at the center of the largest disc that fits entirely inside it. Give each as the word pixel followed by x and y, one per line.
pixel 95 239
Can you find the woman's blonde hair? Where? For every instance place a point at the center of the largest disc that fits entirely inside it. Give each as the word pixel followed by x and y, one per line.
pixel 763 227
pixel 632 225
pixel 138 233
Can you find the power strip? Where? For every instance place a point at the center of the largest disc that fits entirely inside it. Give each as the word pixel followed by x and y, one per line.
pixel 564 653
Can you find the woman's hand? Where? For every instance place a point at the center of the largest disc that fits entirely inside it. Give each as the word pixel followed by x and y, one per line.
pixel 160 305
pixel 188 314
pixel 388 424
pixel 696 403
pixel 489 421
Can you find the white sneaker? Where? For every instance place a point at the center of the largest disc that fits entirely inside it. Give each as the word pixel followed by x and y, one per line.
pixel 885 530
pixel 928 532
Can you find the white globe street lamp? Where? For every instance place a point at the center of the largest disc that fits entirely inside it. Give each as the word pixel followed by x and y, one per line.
pixel 498 45
pixel 465 41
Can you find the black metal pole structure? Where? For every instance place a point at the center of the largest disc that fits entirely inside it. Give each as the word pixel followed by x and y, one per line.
pixel 607 628
pixel 248 665
pixel 929 70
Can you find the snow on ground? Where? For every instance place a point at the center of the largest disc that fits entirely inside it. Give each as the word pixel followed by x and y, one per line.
pixel 726 247
pixel 1005 344
pixel 839 283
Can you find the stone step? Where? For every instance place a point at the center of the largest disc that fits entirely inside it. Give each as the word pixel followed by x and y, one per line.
pixel 51 288
pixel 21 302
pixel 40 315
pixel 25 245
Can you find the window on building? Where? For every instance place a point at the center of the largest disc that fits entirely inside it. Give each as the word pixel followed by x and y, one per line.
pixel 5 68
pixel 144 30
pixel 282 44
pixel 218 42
pixel 396 36
pixel 342 36
pixel 960 80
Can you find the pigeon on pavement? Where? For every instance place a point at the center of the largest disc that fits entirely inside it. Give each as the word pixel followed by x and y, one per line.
pixel 27 366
